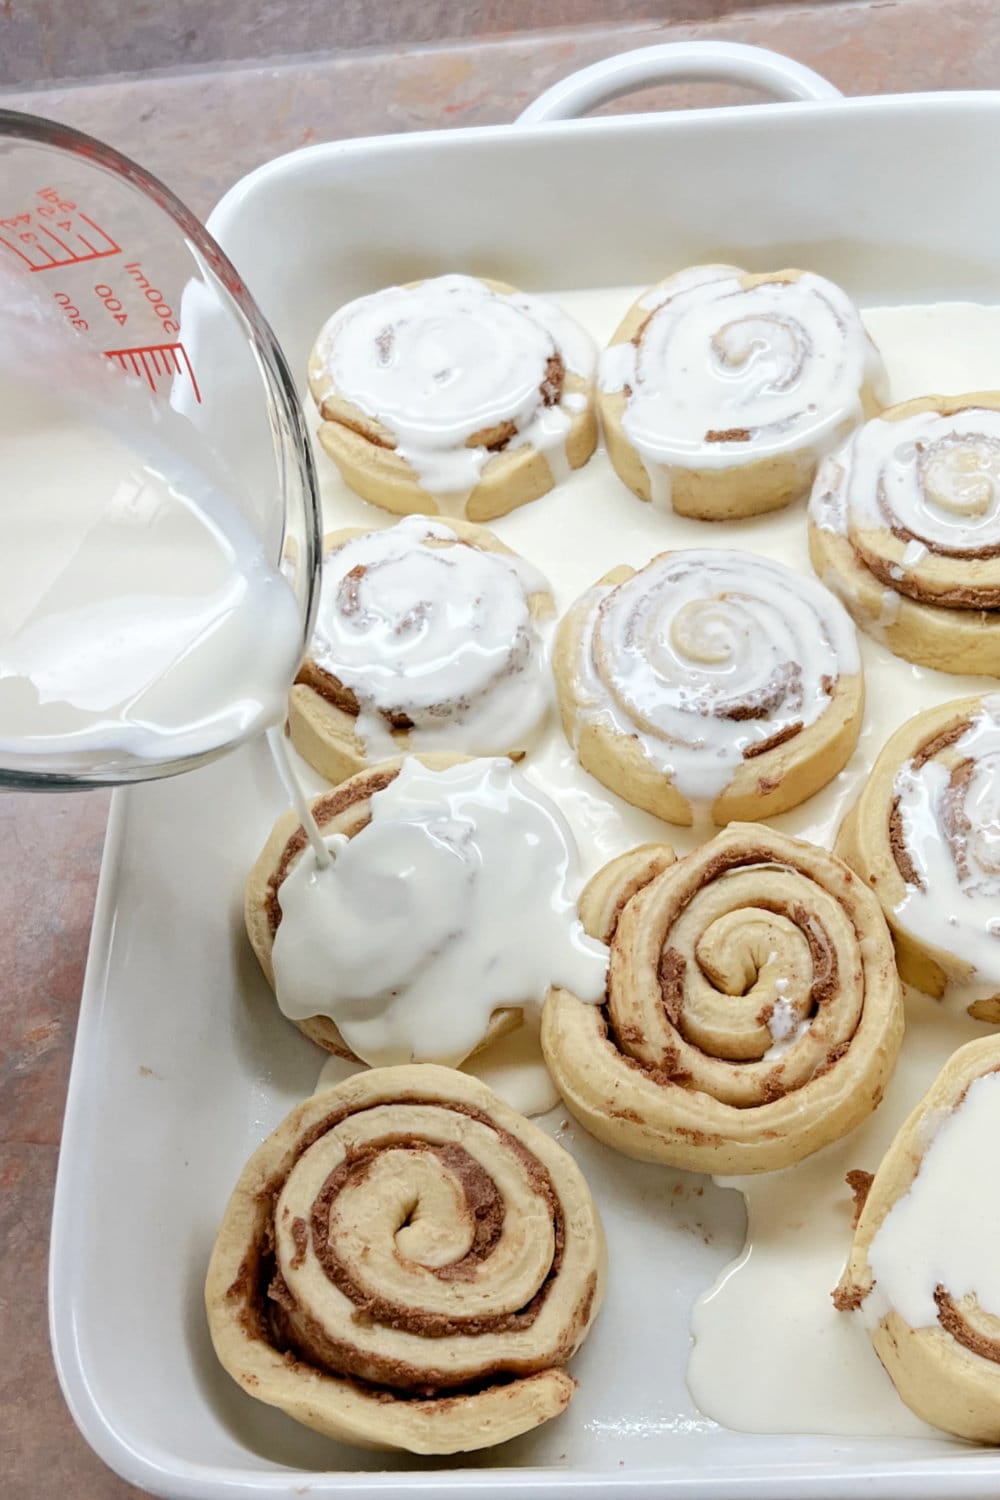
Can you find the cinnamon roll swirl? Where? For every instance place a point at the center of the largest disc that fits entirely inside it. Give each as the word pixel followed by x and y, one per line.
pixel 904 525
pixel 407 1264
pixel 721 390
pixel 753 1011
pixel 709 681
pixel 454 395
pixel 925 835
pixel 428 636
pixel 923 1266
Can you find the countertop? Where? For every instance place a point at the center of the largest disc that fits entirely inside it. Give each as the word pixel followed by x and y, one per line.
pixel 200 131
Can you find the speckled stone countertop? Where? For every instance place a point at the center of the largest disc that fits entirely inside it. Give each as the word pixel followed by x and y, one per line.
pixel 200 131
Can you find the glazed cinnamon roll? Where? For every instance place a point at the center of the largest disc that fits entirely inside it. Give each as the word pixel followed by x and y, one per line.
pixel 407 1264
pixel 753 1011
pixel 428 636
pixel 925 835
pixel 454 395
pixel 904 525
pixel 447 909
pixel 721 390
pixel 923 1266
pixel 709 681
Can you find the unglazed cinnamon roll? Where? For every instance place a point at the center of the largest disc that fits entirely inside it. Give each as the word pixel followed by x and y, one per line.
pixel 456 395
pixel 925 835
pixel 904 524
pixel 709 680
pixel 427 637
pixel 721 390
pixel 407 1264
pixel 447 911
pixel 753 1011
pixel 923 1267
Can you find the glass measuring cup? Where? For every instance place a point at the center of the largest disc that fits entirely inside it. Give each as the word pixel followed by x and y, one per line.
pixel 149 299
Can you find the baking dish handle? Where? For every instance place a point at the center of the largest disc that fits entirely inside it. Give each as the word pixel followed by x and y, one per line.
pixel 677 62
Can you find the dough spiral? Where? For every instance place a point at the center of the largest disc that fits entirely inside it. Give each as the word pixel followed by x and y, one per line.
pixel 921 1265
pixel 925 835
pixel 454 395
pixel 428 636
pixel 709 680
pixel 904 525
pixel 407 1264
pixel 721 390
pixel 753 1011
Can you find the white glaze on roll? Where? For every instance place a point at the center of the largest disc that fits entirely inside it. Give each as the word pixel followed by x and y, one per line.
pixel 951 835
pixel 781 363
pixel 456 900
pixel 677 654
pixel 945 1230
pixel 931 480
pixel 439 362
pixel 442 635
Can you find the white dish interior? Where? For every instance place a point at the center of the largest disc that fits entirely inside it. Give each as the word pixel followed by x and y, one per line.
pixel 183 1061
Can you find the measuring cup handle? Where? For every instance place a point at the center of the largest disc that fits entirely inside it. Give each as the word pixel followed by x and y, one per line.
pixel 677 62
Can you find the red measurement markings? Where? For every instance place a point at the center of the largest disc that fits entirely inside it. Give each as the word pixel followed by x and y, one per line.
pixel 54 232
pixel 155 362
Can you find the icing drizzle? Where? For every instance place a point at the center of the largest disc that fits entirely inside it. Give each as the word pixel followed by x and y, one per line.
pixel 433 634
pixel 455 371
pixel 708 657
pixel 719 364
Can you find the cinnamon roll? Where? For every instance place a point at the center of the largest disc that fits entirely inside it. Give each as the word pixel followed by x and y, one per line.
pixel 427 637
pixel 904 525
pixel 407 1264
pixel 753 1011
pixel 925 835
pixel 454 395
pixel 447 911
pixel 709 680
pixel 721 390
pixel 923 1266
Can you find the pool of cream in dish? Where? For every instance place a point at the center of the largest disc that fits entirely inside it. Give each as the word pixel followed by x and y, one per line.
pixel 815 1370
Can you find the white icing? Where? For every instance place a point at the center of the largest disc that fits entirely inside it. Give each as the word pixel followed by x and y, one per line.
pixel 938 478
pixel 784 361
pixel 944 1231
pixel 786 1023
pixel 457 899
pixel 667 652
pixel 438 363
pixel 956 905
pixel 442 634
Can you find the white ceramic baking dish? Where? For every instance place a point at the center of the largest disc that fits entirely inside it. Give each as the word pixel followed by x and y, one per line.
pixel 182 1064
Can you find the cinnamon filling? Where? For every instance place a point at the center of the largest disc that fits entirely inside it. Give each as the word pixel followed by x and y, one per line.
pixel 671 971
pixel 960 596
pixel 784 684
pixel 860 1183
pixel 780 738
pixel 953 1322
pixel 956 823
pixel 271 1312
